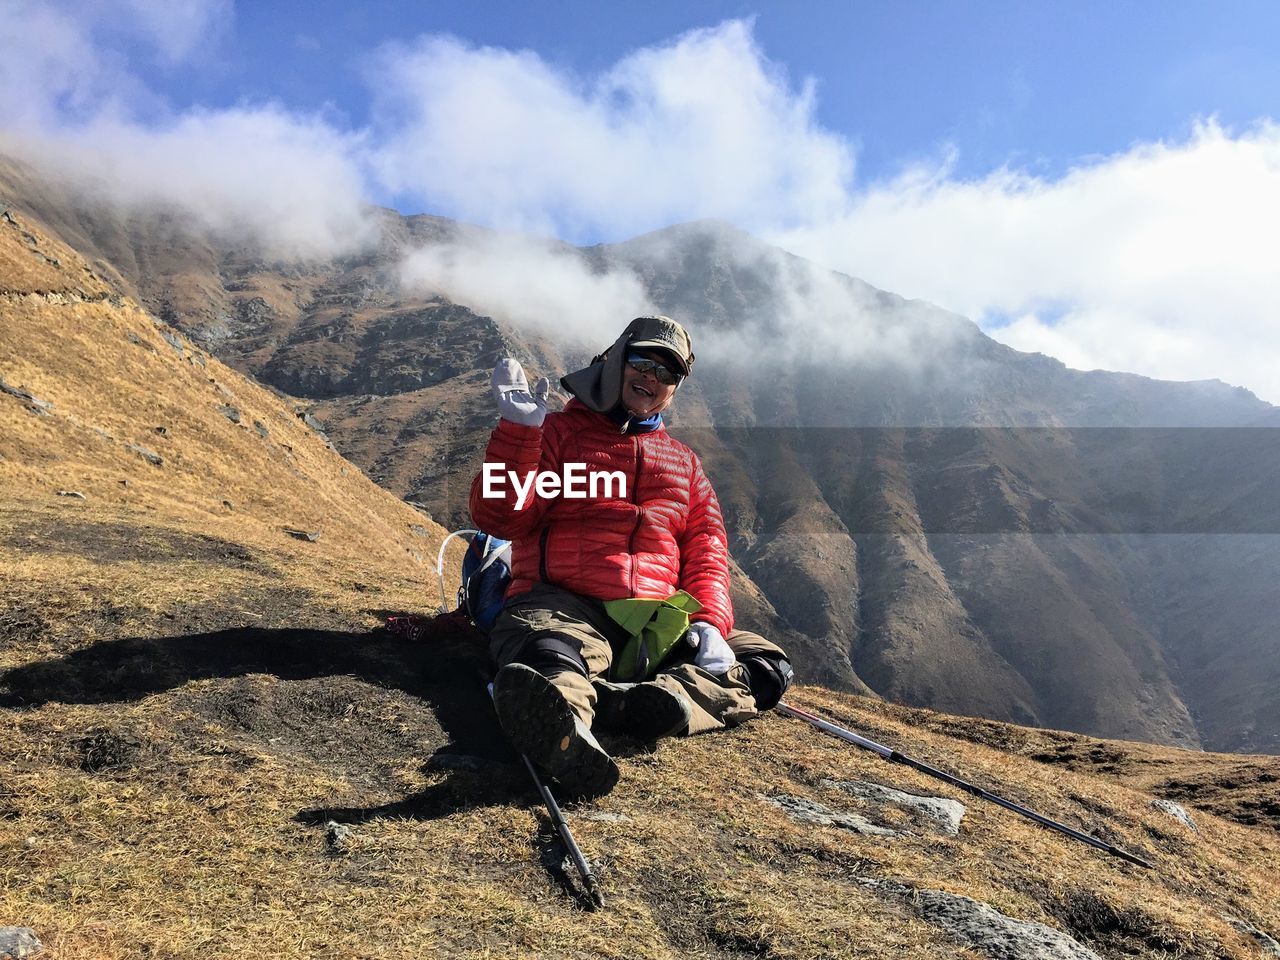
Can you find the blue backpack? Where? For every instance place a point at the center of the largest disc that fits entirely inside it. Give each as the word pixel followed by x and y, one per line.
pixel 486 574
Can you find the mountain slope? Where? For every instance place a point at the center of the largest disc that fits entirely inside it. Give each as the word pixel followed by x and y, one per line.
pixel 323 798
pixel 1019 531
pixel 128 455
pixel 207 744
pixel 913 506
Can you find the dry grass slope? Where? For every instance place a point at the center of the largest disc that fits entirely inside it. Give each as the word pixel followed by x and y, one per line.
pixel 236 464
pixel 189 695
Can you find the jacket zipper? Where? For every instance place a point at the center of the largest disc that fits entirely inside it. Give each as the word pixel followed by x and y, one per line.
pixel 542 554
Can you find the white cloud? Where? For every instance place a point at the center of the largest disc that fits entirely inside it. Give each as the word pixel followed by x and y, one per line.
pixel 67 62
pixel 804 312
pixel 532 283
pixel 289 183
pixel 702 126
pixel 51 68
pixel 292 182
pixel 1158 261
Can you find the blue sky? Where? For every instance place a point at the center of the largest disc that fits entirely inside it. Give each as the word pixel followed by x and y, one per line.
pixel 1095 181
pixel 1036 85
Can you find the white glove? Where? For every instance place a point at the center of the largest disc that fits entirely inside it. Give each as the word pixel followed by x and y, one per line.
pixel 714 654
pixel 515 401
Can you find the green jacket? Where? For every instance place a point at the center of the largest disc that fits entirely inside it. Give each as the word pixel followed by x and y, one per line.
pixel 655 627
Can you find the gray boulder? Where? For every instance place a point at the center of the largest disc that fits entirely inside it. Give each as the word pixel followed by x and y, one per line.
pixel 34 403
pixel 150 456
pixel 807 811
pixel 17 943
pixel 312 422
pixel 1266 942
pixel 989 931
pixel 1177 811
pixel 174 341
pixel 944 812
pixel 984 929
pixel 337 837
pixel 134 338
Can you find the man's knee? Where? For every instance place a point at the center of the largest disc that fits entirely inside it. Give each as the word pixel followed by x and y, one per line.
pixel 552 654
pixel 768 669
pixel 769 676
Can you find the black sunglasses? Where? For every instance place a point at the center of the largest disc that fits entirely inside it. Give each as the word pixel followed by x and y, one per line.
pixel 664 374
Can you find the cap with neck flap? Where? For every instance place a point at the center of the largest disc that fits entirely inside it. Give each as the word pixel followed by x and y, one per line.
pixel 599 386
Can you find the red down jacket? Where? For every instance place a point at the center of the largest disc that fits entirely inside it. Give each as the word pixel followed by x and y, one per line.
pixel 665 535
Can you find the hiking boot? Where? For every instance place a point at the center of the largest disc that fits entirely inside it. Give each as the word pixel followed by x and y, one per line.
pixel 646 711
pixel 540 724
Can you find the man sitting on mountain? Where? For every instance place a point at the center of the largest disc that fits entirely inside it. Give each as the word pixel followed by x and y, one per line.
pixel 619 607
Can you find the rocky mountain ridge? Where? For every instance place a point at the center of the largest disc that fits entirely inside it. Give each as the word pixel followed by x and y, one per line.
pixel 208 742
pixel 916 510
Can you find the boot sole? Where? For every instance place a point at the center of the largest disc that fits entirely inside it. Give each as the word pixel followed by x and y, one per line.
pixel 540 724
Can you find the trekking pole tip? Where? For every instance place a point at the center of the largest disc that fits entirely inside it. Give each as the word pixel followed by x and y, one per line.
pixel 594 894
pixel 1133 858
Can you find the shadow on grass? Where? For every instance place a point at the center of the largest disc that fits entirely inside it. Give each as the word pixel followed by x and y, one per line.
pixel 444 673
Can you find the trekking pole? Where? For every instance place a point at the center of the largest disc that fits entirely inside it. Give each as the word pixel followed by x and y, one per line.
pixel 894 756
pixel 566 835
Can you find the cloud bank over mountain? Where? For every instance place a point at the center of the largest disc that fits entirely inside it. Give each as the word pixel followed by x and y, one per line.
pixel 532 283
pixel 1155 260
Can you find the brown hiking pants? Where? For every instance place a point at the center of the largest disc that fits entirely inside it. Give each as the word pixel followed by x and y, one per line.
pixel 582 623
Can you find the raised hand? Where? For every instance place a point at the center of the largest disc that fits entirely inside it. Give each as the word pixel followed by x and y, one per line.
pixel 516 402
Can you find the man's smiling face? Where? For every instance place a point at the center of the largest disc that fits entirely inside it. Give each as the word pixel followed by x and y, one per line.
pixel 642 394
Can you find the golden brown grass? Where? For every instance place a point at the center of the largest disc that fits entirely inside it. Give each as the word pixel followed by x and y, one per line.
pixel 183 818
pixel 197 850
pixel 116 384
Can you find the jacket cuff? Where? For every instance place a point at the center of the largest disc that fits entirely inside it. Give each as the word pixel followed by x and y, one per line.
pixel 517 431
